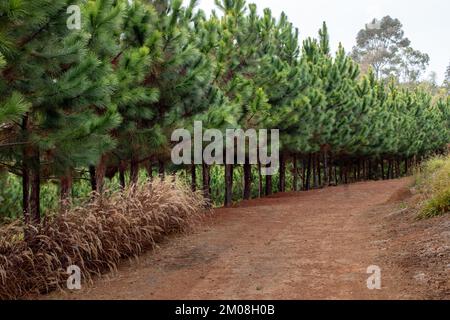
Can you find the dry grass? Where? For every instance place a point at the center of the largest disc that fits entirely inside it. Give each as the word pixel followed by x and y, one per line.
pixel 433 181
pixel 94 237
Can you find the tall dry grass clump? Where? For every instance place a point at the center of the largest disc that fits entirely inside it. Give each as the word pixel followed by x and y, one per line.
pixel 433 181
pixel 94 237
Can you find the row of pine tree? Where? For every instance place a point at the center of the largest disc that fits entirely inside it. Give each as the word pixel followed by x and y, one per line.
pixel 104 100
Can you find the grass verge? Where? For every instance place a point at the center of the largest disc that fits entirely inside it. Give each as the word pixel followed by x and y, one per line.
pixel 95 237
pixel 433 182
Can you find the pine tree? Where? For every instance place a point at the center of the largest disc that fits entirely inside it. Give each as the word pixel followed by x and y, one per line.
pixel 183 75
pixel 289 87
pixel 48 64
pixel 135 54
pixel 236 57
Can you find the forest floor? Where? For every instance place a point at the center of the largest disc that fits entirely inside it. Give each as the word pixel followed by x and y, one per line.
pixel 307 245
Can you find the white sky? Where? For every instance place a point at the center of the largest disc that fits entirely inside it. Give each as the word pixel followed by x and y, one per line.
pixel 426 22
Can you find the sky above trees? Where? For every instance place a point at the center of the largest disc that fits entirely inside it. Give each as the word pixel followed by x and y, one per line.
pixel 426 23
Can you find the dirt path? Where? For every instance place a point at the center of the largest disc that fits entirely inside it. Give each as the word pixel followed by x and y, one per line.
pixel 312 245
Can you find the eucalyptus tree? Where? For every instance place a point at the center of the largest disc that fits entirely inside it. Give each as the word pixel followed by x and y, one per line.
pixel 382 45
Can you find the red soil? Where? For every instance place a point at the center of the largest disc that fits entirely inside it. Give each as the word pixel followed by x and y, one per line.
pixel 310 245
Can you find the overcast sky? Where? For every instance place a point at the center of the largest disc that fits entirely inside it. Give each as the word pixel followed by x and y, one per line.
pixel 426 22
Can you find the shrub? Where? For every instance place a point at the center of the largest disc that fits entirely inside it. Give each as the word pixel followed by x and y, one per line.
pixel 94 237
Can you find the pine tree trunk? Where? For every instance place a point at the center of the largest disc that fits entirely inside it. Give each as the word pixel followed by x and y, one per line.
pixel 26 179
pixel 282 181
pixel 364 171
pixel 269 185
pixel 308 173
pixel 149 169
pixel 361 170
pixel 93 178
pixel 392 165
pixel 260 180
pixel 134 170
pixel 345 173
pixel 314 168
pixel 162 170
pixel 368 169
pixel 330 173
pixel 100 173
pixel 193 178
pixel 319 170
pixel 358 176
pixel 336 178
pixel 229 168
pixel 399 172
pixel 206 175
pixel 122 169
pixel 247 180
pixel 35 195
pixel 66 191
pixel 304 173
pixel 389 169
pixel 295 173
pixel 395 169
pixel 388 174
pixel 326 178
